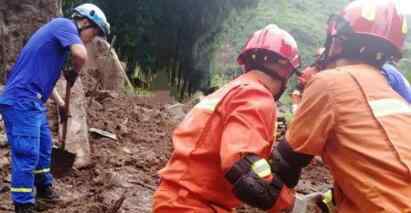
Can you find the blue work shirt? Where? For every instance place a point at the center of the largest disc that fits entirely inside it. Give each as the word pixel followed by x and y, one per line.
pixel 39 64
pixel 397 81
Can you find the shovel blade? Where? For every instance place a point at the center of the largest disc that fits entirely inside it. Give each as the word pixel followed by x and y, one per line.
pixel 61 162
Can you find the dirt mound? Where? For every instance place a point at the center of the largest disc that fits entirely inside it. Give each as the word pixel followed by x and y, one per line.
pixel 123 168
pixel 126 167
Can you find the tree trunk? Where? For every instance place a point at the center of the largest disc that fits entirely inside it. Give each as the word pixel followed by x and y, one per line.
pixel 18 20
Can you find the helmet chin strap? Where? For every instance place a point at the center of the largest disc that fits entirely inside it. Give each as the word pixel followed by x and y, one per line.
pixel 325 58
pixel 282 90
pixel 341 29
pixel 272 74
pixel 81 28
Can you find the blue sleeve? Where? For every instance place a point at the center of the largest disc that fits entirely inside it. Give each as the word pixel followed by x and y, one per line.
pixel 398 82
pixel 66 33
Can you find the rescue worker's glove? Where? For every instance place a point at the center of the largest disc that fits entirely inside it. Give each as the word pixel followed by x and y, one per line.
pixel 287 164
pixel 253 184
pixel 71 76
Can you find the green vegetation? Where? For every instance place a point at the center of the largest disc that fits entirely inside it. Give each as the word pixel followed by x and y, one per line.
pixel 305 20
pixel 190 45
pixel 169 36
pixel 405 63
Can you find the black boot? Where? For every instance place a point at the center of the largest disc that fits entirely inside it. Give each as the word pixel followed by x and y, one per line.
pixel 47 194
pixel 24 208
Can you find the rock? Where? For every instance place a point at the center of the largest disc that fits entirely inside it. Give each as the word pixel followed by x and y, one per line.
pixel 3 140
pixel 103 133
pixel 7 179
pixel 4 162
pixel 123 129
pixel 109 197
pixel 113 179
pixel 197 97
pixel 77 131
pixel 126 150
pixel 305 203
pixel 96 105
pixel 143 114
pixel 176 113
pixel 3 187
pixel 103 94
pixel 104 64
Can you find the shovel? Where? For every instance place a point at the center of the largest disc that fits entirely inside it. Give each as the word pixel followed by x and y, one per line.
pixel 62 160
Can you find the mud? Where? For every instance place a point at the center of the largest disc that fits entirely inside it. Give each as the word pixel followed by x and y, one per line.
pixel 123 174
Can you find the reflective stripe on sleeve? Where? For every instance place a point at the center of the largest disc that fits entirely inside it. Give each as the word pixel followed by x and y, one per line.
pixel 261 168
pixel 208 104
pixel 386 107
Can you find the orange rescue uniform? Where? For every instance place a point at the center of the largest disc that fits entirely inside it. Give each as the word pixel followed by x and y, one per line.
pixel 361 128
pixel 235 120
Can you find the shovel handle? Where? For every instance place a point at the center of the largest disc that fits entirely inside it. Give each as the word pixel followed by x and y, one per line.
pixel 67 114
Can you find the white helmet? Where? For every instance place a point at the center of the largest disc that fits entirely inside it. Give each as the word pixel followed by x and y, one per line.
pixel 95 15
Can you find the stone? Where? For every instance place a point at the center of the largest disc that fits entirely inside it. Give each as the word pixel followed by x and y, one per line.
pixel 77 131
pixel 103 133
pixel 176 113
pixel 4 162
pixel 105 65
pixel 3 140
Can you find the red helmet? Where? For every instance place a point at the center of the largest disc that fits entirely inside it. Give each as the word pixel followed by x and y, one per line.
pixel 377 18
pixel 374 19
pixel 274 44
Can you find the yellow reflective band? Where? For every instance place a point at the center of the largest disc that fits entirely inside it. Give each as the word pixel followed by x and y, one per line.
pixel 39 171
pixel 386 107
pixel 261 168
pixel 328 200
pixel 404 26
pixel 369 12
pixel 23 190
pixel 208 104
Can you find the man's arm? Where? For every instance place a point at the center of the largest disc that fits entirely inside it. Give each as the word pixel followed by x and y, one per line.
pixel 57 98
pixel 79 56
pixel 397 81
pixel 78 59
pixel 248 133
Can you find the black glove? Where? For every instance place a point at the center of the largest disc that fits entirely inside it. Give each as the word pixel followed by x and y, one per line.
pixel 70 76
pixel 257 192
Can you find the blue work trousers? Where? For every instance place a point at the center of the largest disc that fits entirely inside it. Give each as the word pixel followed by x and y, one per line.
pixel 30 140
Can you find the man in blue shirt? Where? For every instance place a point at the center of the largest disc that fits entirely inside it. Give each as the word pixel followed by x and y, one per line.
pixel 29 85
pixel 397 81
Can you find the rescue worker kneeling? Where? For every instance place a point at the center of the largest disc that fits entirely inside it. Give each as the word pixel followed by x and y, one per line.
pixel 221 146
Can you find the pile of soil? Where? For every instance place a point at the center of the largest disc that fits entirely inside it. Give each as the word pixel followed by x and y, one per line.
pixel 123 172
pixel 123 168
pixel 126 167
